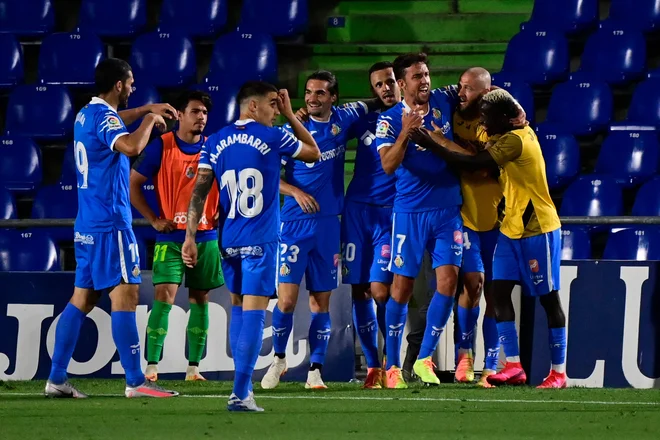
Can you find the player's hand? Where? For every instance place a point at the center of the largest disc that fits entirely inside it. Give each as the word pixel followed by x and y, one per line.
pixel 284 104
pixel 163 225
pixel 307 203
pixel 159 122
pixel 437 135
pixel 302 115
pixel 521 119
pixel 411 120
pixel 189 253
pixel 164 110
pixel 422 137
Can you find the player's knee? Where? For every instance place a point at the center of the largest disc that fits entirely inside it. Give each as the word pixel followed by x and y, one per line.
pixel 360 292
pixel 286 304
pixel 165 293
pixel 402 288
pixel 236 300
pixel 553 309
pixel 124 297
pixel 501 299
pixel 474 283
pixel 85 299
pixel 319 302
pixel 446 279
pixel 198 296
pixel 380 292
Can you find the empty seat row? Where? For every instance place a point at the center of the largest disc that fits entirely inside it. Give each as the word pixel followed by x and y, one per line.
pixel 639 243
pixel 126 18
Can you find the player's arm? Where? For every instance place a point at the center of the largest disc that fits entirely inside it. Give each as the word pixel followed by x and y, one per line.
pixel 391 149
pixel 309 151
pixel 140 203
pixel 134 143
pixel 133 114
pixel 307 203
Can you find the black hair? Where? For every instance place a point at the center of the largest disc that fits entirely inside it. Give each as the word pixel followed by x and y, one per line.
pixel 324 75
pixel 182 101
pixel 403 62
pixel 108 72
pixel 381 65
pixel 254 88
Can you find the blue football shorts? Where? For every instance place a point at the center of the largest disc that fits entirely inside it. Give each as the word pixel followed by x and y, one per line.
pixel 251 270
pixel 478 249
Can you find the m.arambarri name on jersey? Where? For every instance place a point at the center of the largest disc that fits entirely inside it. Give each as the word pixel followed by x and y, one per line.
pixel 243 138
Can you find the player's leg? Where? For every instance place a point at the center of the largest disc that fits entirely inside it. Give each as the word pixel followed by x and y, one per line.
pixel 543 254
pixel 423 291
pixel 488 240
pixel 446 248
pixel 380 277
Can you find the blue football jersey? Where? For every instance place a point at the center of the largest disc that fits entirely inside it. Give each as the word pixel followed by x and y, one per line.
pixel 246 159
pixel 102 173
pixel 423 180
pixel 369 184
pixel 324 179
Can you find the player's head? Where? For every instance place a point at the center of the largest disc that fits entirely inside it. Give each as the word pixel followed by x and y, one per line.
pixel 193 107
pixel 497 108
pixel 472 86
pixel 383 83
pixel 114 77
pixel 321 93
pixel 412 75
pixel 258 101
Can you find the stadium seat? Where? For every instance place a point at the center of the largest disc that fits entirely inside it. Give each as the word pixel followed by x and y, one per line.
pixel 575 243
pixel 27 18
pixel 647 200
pixel 68 174
pixel 243 57
pixel 11 61
pixel 519 90
pixel 631 157
pixel 144 94
pixel 28 251
pixel 645 105
pixel 7 205
pixel 144 233
pixel 196 18
pixel 284 17
pixel 593 196
pixel 582 105
pixel 20 167
pixel 615 55
pixel 57 202
pixel 566 16
pixel 640 243
pixel 225 109
pixel 164 59
pixel 655 73
pixel 561 153
pixel 644 16
pixel 51 119
pixel 116 18
pixel 537 57
pixel 71 59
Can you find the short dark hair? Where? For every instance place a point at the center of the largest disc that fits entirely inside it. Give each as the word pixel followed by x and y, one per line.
pixel 381 65
pixel 402 62
pixel 108 72
pixel 324 75
pixel 254 88
pixel 182 101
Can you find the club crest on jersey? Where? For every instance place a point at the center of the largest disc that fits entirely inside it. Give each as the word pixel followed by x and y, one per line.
pixel 344 271
pixel 458 237
pixel 136 270
pixel 382 129
pixel 190 172
pixel 284 270
pixel 385 251
pixel 398 261
pixel 534 266
pixel 437 114
pixel 336 129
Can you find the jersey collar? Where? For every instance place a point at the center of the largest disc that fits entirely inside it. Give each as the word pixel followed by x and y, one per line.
pixel 407 107
pixel 241 122
pixel 97 100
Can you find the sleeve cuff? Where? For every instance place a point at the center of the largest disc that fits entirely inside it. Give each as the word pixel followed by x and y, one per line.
pixel 298 150
pixel 205 166
pixel 112 144
pixel 388 144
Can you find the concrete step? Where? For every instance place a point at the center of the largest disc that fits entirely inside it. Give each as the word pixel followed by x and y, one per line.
pixel 394 7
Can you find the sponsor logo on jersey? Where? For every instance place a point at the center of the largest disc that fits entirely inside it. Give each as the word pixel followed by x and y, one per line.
pixel 111 123
pixel 385 251
pixel 458 237
pixel 83 238
pixel 284 270
pixel 190 172
pixel 336 129
pixel 382 129
pixel 398 261
pixel 336 260
pixel 534 266
pixel 437 114
pixel 181 218
pixel 255 251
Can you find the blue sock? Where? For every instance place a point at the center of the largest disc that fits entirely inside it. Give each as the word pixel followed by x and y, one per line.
pixel 364 316
pixel 319 337
pixel 248 347
pixel 491 343
pixel 436 319
pixel 508 338
pixel 558 345
pixel 125 335
pixel 395 320
pixel 282 326
pixel 66 337
pixel 235 327
pixel 467 320
pixel 381 308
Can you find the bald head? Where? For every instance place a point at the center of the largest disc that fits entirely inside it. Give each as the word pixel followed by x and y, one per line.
pixel 474 83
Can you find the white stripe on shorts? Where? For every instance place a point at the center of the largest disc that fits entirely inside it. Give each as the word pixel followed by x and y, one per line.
pixel 389 265
pixel 548 256
pixel 122 262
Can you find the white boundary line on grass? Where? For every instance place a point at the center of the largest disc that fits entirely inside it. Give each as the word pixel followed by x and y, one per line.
pixel 385 398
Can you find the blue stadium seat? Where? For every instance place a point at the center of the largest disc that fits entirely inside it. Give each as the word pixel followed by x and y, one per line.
pixel 519 90
pixel 225 109
pixel 42 112
pixel 20 167
pixel 71 59
pixel 645 105
pixel 68 174
pixel 615 55
pixel 116 18
pixel 582 105
pixel 561 153
pixel 566 16
pixel 630 156
pixel 144 233
pixel 7 205
pixel 594 196
pixel 244 57
pixel 647 200
pixel 644 16
pixel 27 18
pixel 11 61
pixel 28 251
pixel 575 243
pixel 144 94
pixel 537 57
pixel 56 202
pixel 196 18
pixel 655 73
pixel 164 59
pixel 284 18
pixel 640 243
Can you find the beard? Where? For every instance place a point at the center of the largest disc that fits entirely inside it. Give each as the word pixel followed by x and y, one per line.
pixel 197 131
pixel 470 111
